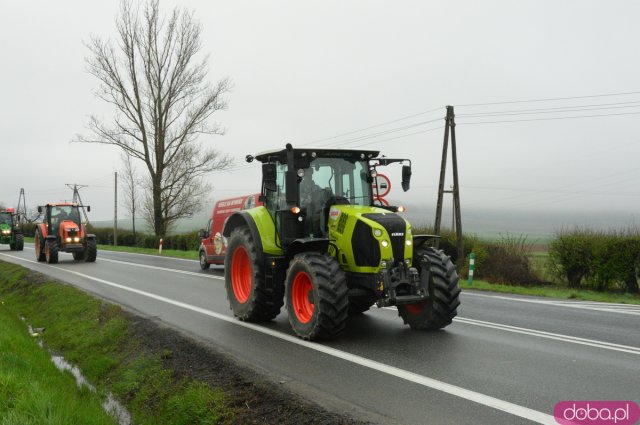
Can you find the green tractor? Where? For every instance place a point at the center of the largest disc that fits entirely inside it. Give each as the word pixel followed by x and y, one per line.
pixel 320 244
pixel 10 230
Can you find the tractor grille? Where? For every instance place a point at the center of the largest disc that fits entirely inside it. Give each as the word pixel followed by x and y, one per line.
pixel 342 222
pixel 396 227
pixel 366 249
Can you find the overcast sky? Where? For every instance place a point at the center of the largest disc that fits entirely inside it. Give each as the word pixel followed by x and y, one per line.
pixel 306 71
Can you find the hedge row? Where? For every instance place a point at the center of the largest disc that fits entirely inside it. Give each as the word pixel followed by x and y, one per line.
pixel 595 259
pixel 506 260
pixel 184 241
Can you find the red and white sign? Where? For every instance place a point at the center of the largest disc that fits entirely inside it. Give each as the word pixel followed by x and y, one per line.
pixel 381 186
pixel 381 201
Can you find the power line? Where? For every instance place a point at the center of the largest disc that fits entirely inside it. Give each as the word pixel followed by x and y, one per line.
pixel 381 133
pixel 373 126
pixel 550 99
pixel 549 118
pixel 563 109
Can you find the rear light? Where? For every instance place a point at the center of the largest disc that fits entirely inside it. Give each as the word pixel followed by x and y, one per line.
pixel 295 210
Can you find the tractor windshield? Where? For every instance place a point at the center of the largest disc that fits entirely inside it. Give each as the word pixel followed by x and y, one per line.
pixel 65 212
pixel 5 218
pixel 336 177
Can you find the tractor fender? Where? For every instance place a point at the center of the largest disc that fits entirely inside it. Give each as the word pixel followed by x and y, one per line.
pixel 43 230
pixel 306 245
pixel 51 237
pixel 90 236
pixel 243 218
pixel 419 240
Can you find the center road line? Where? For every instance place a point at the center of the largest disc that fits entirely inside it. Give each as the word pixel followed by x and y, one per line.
pixel 483 399
pixel 598 307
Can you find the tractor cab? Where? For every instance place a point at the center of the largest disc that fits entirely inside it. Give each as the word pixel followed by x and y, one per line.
pixel 301 185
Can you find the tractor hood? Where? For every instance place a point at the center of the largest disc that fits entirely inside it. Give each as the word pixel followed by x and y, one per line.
pixel 69 229
pixel 368 237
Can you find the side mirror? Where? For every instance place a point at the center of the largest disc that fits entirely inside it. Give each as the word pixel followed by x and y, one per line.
pixel 88 208
pixel 39 209
pixel 269 174
pixel 406 177
pixel 202 234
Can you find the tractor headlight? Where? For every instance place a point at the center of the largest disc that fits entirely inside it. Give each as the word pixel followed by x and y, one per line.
pixel 6 231
pixel 377 233
pixel 384 243
pixel 67 240
pixel 409 242
pixel 76 239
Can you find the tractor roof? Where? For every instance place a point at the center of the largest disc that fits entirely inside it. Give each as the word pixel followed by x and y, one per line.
pixel 352 154
pixel 61 204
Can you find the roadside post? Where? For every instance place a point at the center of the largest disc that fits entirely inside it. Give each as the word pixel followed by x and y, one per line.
pixel 472 262
pixel 160 247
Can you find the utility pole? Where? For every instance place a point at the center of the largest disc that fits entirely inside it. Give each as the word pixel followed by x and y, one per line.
pixel 450 129
pixel 22 208
pixel 78 200
pixel 115 212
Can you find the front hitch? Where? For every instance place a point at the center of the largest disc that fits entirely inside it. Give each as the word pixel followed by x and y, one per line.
pixel 402 276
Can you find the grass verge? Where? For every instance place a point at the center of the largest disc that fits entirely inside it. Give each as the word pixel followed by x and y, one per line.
pixel 552 292
pixel 32 389
pixel 98 338
pixel 156 372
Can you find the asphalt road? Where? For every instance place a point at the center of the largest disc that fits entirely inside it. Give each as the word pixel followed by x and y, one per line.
pixel 505 359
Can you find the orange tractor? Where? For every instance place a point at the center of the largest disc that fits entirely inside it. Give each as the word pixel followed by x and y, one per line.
pixel 62 230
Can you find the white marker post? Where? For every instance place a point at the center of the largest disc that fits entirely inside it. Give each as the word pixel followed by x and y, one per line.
pixel 160 247
pixel 472 263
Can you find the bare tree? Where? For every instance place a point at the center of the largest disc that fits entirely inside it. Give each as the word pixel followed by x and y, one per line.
pixel 154 78
pixel 131 183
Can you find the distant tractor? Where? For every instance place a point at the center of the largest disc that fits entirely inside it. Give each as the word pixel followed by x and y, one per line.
pixel 10 230
pixel 321 245
pixel 62 230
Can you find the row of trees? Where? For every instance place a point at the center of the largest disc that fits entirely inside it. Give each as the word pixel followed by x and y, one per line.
pixel 155 77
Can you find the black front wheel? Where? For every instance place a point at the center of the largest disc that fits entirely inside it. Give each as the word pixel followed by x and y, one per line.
pixel 441 307
pixel 51 251
pixel 19 242
pixel 92 251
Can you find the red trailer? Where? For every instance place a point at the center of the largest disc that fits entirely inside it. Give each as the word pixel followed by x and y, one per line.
pixel 214 246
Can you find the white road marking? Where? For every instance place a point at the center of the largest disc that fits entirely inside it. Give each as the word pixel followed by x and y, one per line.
pixel 550 335
pixel 592 306
pixel 543 334
pixel 166 269
pixel 483 399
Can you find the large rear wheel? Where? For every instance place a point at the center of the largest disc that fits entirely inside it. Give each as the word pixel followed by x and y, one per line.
pixel 39 241
pixel 51 251
pixel 317 296
pixel 442 306
pixel 247 291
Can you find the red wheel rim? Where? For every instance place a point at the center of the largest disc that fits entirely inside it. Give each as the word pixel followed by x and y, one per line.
pixel 301 292
pixel 417 308
pixel 241 274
